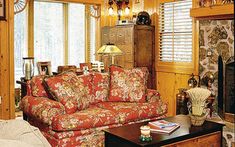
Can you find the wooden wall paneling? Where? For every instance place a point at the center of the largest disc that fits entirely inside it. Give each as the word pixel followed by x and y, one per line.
pixel 11 58
pixel 7 62
pixel 166 87
pixel 1 114
pixel 30 9
pixel 87 33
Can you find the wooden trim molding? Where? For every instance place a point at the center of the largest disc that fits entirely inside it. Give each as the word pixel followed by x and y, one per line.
pixel 214 12
pixel 66 44
pixel 77 1
pixel 30 10
pixel 87 33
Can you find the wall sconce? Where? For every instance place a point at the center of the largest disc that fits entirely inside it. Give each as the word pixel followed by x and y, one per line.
pixel 119 4
pixel 192 82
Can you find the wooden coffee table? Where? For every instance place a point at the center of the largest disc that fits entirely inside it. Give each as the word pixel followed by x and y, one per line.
pixel 209 134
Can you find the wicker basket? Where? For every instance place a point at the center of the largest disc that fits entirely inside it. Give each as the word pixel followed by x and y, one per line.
pixel 197 120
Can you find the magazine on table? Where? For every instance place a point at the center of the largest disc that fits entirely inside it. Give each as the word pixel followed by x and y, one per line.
pixel 162 126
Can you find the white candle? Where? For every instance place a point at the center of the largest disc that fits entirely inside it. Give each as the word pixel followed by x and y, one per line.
pixel 145 130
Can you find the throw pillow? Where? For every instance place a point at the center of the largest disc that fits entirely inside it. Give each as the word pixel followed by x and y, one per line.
pixel 74 92
pixel 37 86
pixel 128 84
pixel 100 86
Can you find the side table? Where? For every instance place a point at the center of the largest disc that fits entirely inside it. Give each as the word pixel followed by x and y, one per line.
pixel 23 83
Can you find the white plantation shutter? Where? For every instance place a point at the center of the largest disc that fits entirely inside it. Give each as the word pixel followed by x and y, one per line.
pixel 175 31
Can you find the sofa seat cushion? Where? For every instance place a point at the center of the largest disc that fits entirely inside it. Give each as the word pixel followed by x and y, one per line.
pixel 128 85
pixel 74 92
pixel 128 111
pixel 84 119
pixel 100 86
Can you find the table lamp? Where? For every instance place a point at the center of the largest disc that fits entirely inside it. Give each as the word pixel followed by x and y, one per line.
pixel 111 50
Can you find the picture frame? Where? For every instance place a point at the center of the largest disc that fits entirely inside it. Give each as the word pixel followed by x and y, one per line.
pixel 2 10
pixel 44 68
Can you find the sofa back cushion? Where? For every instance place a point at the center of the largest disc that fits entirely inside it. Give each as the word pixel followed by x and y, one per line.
pixel 37 87
pixel 74 92
pixel 100 82
pixel 128 84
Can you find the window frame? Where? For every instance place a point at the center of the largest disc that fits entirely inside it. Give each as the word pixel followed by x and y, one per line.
pixel 176 67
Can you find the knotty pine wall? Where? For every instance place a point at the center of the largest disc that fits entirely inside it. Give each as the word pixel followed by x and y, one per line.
pixel 7 106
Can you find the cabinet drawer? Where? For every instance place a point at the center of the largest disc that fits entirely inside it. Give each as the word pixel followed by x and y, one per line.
pixel 210 140
pixel 120 36
pixel 113 35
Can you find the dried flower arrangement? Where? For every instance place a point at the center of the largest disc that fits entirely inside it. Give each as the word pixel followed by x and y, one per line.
pixel 198 98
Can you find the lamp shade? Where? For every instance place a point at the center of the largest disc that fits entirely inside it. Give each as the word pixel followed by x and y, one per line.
pixel 110 49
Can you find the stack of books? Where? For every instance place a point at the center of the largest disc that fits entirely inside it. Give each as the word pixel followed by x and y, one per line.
pixel 163 126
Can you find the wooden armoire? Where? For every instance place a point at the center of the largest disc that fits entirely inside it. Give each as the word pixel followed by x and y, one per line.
pixel 137 44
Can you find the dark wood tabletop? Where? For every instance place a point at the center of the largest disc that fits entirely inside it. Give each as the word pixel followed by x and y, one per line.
pixel 131 133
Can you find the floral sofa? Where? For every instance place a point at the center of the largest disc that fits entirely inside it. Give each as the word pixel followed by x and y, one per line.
pixel 73 110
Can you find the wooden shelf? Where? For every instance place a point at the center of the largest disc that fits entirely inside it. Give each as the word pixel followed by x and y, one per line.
pixel 213 11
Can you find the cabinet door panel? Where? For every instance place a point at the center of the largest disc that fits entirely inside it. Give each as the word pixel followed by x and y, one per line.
pixel 143 48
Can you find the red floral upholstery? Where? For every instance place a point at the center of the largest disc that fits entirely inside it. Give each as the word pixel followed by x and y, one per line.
pixel 128 111
pixel 88 118
pixel 41 108
pixel 128 84
pixel 152 95
pixel 86 137
pixel 100 86
pixel 74 92
pixel 37 87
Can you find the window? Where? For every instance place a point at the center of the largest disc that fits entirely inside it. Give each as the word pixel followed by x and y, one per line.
pixel 76 34
pixel 49 33
pixel 175 31
pixel 61 36
pixel 20 43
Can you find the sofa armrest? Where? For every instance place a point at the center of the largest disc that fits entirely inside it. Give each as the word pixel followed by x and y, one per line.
pixel 152 95
pixel 41 108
